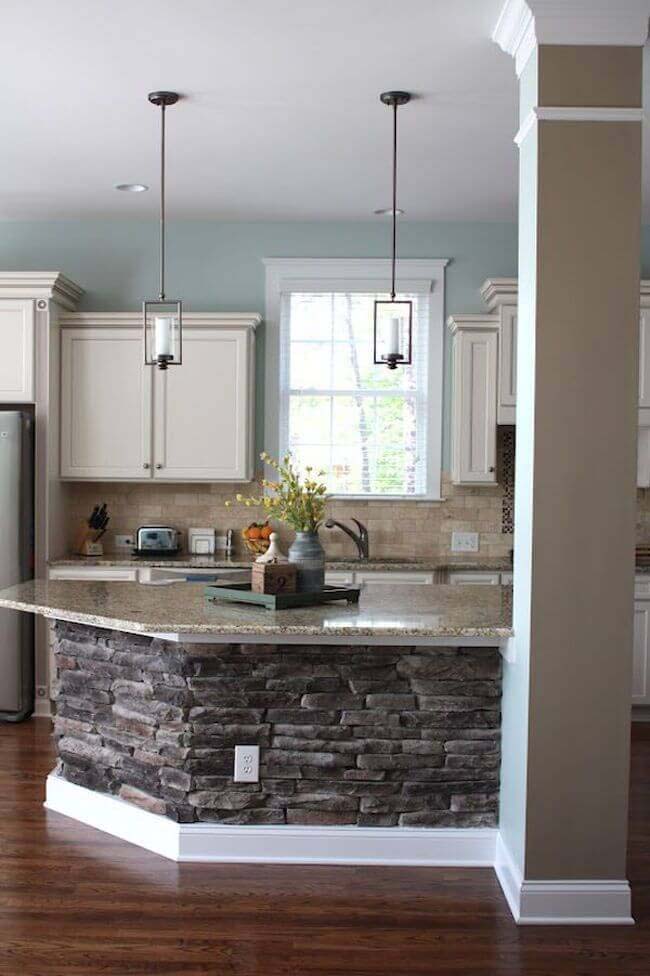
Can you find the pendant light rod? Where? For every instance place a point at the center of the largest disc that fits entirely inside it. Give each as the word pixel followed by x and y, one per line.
pixel 162 99
pixel 393 99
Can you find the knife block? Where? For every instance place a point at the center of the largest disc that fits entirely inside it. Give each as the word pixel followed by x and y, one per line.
pixel 85 543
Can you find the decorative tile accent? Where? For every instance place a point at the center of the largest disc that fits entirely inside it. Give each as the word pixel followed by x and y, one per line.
pixel 506 469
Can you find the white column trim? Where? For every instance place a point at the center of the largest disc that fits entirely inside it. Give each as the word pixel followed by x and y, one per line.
pixel 524 24
pixel 564 901
pixel 550 113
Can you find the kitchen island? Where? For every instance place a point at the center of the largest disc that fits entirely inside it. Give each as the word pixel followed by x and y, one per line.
pixel 382 715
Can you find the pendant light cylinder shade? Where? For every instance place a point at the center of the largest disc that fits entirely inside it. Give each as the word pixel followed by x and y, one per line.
pixel 393 319
pixel 163 319
pixel 163 334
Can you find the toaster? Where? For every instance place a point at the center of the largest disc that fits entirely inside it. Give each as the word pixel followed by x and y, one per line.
pixel 157 538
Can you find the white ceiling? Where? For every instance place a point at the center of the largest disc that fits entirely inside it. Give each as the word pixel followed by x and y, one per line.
pixel 281 119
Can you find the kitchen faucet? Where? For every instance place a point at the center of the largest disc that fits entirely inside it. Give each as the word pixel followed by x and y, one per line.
pixel 361 540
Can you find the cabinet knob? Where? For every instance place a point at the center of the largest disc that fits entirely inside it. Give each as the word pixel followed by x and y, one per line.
pixel 158 467
pixel 146 466
pixel 491 470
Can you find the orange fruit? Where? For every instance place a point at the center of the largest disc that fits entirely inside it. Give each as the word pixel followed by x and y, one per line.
pixel 254 532
pixel 265 532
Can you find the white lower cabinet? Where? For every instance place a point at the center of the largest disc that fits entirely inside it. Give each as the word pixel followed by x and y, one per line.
pixel 477 578
pixel 94 573
pixel 123 420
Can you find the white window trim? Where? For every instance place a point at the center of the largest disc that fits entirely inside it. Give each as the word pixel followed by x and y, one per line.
pixel 359 274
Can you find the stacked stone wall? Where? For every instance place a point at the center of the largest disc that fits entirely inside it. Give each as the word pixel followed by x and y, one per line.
pixel 372 736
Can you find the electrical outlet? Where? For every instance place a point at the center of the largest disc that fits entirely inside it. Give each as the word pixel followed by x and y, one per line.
pixel 124 542
pixel 464 541
pixel 247 764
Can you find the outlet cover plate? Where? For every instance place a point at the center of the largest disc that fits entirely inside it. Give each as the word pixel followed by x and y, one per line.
pixel 124 542
pixel 464 541
pixel 247 764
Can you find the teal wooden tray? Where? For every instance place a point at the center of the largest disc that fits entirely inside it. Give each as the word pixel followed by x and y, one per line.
pixel 242 593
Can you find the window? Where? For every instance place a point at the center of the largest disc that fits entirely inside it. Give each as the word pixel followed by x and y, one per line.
pixel 376 432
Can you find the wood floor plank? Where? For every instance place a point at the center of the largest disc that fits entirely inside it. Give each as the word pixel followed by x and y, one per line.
pixel 75 902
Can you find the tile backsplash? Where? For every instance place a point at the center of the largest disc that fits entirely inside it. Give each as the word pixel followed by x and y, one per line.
pixel 397 528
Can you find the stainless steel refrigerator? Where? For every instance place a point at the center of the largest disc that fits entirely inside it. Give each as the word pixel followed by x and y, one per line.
pixel 16 562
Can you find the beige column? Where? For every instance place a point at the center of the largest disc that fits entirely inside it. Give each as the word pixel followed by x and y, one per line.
pixel 567 684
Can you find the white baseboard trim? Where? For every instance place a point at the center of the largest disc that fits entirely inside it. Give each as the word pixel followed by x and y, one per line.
pixel 561 902
pixel 204 842
pixel 42 708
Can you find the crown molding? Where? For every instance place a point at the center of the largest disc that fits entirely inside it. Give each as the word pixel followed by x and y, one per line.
pixel 131 320
pixel 499 291
pixel 524 24
pixel 51 285
pixel 475 322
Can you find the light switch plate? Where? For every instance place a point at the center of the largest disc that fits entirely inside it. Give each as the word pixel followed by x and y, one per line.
pixel 247 764
pixel 464 541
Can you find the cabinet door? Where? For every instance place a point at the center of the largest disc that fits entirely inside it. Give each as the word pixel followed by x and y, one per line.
pixel 17 359
pixel 506 410
pixel 641 655
pixel 643 458
pixel 105 405
pixel 203 409
pixel 474 431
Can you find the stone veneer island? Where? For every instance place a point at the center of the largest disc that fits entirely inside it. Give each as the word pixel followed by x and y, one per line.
pixel 385 714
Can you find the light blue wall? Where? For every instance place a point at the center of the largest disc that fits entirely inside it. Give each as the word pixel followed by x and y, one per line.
pixel 217 266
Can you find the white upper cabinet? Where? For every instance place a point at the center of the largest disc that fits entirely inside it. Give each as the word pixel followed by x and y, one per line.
pixel 123 420
pixel 474 399
pixel 203 410
pixel 644 356
pixel 500 296
pixel 17 359
pixel 105 404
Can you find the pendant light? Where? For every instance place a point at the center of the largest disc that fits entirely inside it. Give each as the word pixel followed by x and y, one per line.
pixel 393 323
pixel 162 319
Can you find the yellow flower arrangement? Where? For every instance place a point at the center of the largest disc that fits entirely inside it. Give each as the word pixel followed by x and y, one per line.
pixel 298 501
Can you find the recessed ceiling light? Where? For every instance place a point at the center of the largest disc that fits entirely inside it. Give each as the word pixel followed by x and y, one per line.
pixel 388 212
pixel 131 187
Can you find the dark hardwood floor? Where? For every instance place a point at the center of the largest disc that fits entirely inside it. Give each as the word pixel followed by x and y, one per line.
pixel 75 901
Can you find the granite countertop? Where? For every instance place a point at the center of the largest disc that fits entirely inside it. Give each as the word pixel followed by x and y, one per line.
pixel 243 561
pixel 433 612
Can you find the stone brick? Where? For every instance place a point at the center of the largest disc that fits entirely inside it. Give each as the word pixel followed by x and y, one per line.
pixel 242 817
pixel 300 716
pixel 377 820
pixel 335 700
pixel 317 801
pixel 432 686
pixel 364 775
pixel 369 716
pixel 94 753
pixel 228 800
pixel 365 686
pixel 474 801
pixel 492 761
pixel 288 757
pixel 306 684
pixel 454 703
pixel 421 747
pixel 404 804
pixel 400 761
pixel 395 703
pixel 176 778
pixel 322 818
pixel 152 804
pixel 472 746
pixel 430 818
pixel 225 716
pixel 329 732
